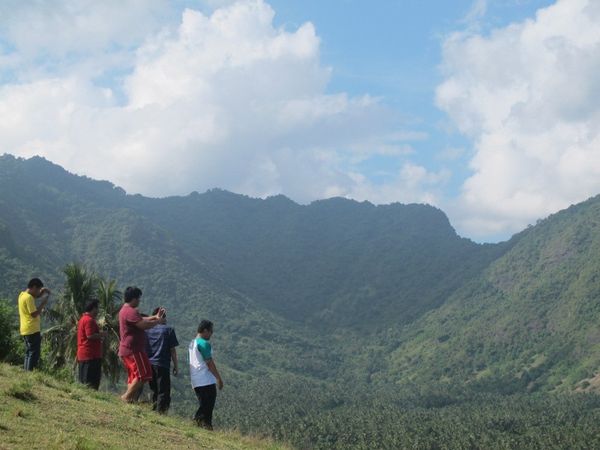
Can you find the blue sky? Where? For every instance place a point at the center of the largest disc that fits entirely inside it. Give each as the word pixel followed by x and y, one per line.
pixel 392 49
pixel 487 109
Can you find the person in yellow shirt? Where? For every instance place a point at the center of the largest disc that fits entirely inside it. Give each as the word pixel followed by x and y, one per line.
pixel 29 318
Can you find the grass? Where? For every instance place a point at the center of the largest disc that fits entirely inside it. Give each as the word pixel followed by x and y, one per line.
pixel 22 390
pixel 40 412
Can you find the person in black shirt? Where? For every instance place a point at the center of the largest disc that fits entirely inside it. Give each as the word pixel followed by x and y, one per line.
pixel 161 352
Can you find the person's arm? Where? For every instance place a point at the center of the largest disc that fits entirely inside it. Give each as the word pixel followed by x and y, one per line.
pixel 205 350
pixel 213 368
pixel 93 333
pixel 97 336
pixel 36 311
pixel 174 359
pixel 145 323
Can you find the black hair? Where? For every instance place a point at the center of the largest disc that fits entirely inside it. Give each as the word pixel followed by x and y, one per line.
pixel 35 283
pixel 205 325
pixel 92 304
pixel 156 310
pixel 131 293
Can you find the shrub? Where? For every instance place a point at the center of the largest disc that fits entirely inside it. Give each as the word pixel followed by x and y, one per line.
pixel 9 344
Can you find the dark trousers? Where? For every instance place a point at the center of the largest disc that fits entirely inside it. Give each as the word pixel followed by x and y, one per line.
pixel 90 372
pixel 33 343
pixel 161 389
pixel 207 396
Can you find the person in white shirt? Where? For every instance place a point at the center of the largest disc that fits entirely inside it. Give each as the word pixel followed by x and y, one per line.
pixel 204 374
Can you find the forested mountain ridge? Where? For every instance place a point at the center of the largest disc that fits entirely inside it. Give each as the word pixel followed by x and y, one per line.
pixel 321 262
pixel 325 261
pixel 332 313
pixel 53 218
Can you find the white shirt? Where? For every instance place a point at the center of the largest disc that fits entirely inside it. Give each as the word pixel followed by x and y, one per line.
pixel 200 375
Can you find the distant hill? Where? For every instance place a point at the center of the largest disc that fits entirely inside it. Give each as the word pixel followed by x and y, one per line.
pixel 530 321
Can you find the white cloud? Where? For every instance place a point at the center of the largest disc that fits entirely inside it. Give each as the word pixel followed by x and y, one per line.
pixel 476 12
pixel 412 184
pixel 528 95
pixel 223 99
pixel 37 27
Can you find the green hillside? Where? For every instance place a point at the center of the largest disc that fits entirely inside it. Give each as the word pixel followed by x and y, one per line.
pixel 530 321
pixel 38 411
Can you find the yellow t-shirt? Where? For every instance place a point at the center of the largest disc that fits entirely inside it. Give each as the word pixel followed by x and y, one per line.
pixel 29 325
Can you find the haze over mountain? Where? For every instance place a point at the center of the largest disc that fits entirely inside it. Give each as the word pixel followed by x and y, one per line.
pixel 319 305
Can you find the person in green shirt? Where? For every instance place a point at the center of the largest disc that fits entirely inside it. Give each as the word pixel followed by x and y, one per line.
pixel 204 375
pixel 30 322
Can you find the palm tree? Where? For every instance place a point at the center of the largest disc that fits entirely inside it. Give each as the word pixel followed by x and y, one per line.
pixel 79 289
pixel 110 302
pixel 81 286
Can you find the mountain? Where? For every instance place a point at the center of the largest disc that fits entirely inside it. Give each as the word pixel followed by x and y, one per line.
pixel 529 321
pixel 325 262
pixel 317 263
pixel 58 218
pixel 335 313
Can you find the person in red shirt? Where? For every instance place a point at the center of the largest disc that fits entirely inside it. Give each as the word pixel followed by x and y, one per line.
pixel 89 346
pixel 132 347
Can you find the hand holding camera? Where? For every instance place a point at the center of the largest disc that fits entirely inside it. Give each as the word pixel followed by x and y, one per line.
pixel 161 315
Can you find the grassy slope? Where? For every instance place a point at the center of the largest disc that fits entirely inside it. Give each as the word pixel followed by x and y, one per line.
pixel 38 411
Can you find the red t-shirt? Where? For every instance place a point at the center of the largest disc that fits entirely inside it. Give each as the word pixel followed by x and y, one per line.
pixel 133 340
pixel 88 348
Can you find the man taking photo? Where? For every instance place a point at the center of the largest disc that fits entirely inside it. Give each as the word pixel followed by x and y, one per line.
pixel 30 321
pixel 161 352
pixel 132 347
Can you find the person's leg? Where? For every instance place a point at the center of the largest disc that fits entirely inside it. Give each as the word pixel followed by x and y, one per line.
pixel 211 398
pixel 199 417
pixel 83 371
pixel 134 383
pixel 164 390
pixel 154 383
pixel 207 396
pixel 32 350
pixel 36 350
pixel 130 394
pixel 27 359
pixel 95 374
pixel 139 372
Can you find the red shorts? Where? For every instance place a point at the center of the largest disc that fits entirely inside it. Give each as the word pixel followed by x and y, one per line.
pixel 138 367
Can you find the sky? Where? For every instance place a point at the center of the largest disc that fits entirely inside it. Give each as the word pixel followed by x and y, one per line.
pixel 487 109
